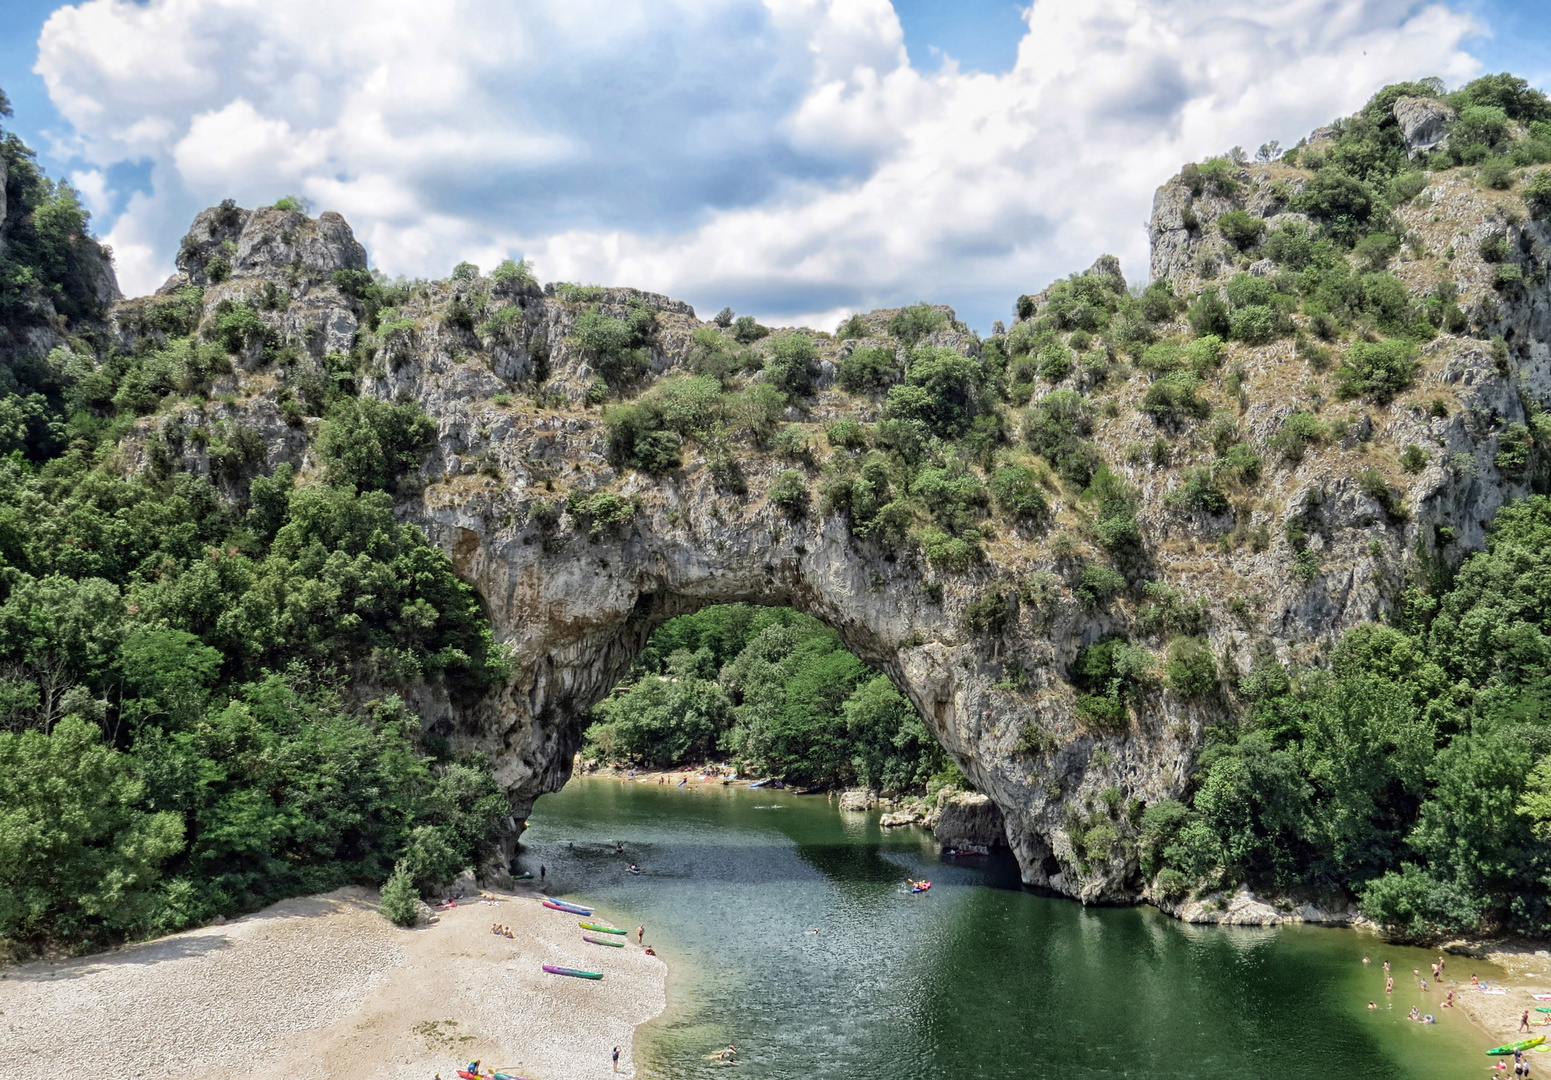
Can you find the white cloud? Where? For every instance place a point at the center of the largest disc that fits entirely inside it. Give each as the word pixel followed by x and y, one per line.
pixel 779 155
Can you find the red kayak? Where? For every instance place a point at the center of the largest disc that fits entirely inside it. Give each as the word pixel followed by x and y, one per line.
pixel 920 886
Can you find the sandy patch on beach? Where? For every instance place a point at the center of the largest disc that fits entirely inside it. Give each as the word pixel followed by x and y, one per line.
pixel 1521 974
pixel 324 986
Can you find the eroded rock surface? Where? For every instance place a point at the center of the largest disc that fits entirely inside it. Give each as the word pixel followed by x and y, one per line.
pixel 573 600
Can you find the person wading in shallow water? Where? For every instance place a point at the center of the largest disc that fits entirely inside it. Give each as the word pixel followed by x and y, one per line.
pixel 640 934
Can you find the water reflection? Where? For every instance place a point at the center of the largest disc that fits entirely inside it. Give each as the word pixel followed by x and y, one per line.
pixel 977 978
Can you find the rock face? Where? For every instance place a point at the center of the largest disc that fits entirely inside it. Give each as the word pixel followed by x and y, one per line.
pixel 971 818
pixel 1244 908
pixel 573 600
pixel 1424 123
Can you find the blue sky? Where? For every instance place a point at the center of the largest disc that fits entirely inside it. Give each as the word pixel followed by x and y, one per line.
pixel 797 159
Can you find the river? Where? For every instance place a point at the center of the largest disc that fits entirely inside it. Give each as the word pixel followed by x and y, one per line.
pixel 977 978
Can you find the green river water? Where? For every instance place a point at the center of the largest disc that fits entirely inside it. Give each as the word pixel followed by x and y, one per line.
pixel 979 977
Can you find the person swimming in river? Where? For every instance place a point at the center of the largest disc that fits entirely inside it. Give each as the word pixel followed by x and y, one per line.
pixel 1389 985
pixel 1416 1014
pixel 1371 1005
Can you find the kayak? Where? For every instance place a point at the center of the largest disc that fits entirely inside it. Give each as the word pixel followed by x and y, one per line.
pixel 599 929
pixel 566 905
pixel 524 876
pixel 602 941
pixel 1524 1044
pixel 575 974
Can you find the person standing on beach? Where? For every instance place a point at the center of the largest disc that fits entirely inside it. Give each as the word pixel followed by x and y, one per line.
pixel 640 934
pixel 616 1059
pixel 1524 1021
pixel 543 871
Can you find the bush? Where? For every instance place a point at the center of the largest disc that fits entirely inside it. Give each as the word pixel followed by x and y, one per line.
pixel 1414 460
pixel 400 903
pixel 1056 427
pixel 790 493
pixel 1198 491
pixel 1376 250
pixel 1055 363
pixel 1377 370
pixel 987 615
pixel 1018 493
pixel 870 369
pixel 746 331
pixel 1493 249
pixel 1097 585
pixel 235 326
pixel 1191 671
pixel 1108 674
pixel 947 552
pixel 847 434
pixel 617 347
pixel 942 390
pixel 1298 432
pixel 1255 325
pixel 1209 315
pixel 1413 905
pixel 1342 203
pixel 1537 194
pixel 854 327
pixel 727 475
pixel 1496 173
pixel 1514 448
pixel 792 365
pixel 79 855
pixel 370 444
pixel 1172 400
pixel 514 275
pixel 1240 229
pixel 911 324
pixel 602 513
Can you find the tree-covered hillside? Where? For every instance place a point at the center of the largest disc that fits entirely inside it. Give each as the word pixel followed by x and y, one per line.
pixel 185 729
pixel 772 690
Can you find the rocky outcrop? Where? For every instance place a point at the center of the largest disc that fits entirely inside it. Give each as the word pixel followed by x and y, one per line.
pixel 1424 122
pixel 1243 908
pixel 858 799
pixel 970 818
pixel 573 600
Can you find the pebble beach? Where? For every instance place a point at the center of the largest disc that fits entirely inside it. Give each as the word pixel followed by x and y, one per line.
pixel 324 986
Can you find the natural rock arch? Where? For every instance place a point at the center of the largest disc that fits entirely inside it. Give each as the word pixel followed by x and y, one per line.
pixel 573 595
pixel 575 612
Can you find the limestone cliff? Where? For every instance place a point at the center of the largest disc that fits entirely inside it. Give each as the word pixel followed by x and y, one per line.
pixel 1309 549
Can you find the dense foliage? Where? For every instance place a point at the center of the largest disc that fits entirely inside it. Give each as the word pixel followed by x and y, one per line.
pixel 774 691
pixel 184 730
pixel 1415 772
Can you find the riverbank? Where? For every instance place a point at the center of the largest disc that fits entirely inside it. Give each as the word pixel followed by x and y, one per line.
pixel 1522 972
pixel 325 986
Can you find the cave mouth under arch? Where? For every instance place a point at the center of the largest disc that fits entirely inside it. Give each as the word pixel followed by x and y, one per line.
pixel 768 688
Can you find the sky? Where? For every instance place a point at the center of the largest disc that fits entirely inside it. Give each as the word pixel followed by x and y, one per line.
pixel 796 160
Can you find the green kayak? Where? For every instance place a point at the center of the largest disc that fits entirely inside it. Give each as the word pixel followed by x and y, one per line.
pixel 599 929
pixel 1523 1044
pixel 603 941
